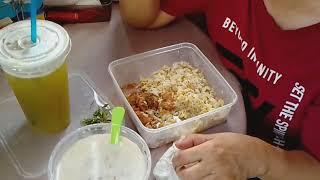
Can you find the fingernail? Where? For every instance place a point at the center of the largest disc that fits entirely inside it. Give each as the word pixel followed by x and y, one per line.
pixel 179 140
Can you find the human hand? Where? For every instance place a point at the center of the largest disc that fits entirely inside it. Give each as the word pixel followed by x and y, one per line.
pixel 224 156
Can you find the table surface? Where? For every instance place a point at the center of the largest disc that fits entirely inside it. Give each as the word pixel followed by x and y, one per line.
pixel 95 45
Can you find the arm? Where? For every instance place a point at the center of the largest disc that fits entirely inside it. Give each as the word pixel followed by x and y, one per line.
pixel 295 165
pixel 231 156
pixel 144 13
pixel 157 13
pixel 162 19
pixel 291 165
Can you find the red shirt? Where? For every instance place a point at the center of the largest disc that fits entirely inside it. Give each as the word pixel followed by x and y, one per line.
pixel 278 69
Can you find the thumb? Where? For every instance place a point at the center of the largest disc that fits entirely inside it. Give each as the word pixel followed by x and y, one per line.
pixel 191 141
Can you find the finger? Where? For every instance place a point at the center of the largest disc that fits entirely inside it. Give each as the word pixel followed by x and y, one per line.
pixel 191 141
pixel 195 172
pixel 186 157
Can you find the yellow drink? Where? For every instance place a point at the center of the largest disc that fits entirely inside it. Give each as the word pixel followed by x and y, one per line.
pixel 37 72
pixel 44 100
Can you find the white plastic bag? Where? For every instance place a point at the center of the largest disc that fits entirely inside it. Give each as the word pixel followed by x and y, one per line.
pixel 164 169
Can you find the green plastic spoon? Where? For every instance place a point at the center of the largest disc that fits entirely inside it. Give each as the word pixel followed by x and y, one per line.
pixel 116 123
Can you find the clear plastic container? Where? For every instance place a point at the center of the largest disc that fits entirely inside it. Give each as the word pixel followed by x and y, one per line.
pixel 87 131
pixel 131 69
pixel 24 153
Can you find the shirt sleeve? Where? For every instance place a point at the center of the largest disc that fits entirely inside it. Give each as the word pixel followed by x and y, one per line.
pixel 182 7
pixel 310 135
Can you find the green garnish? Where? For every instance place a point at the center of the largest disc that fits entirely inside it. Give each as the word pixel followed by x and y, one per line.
pixel 101 115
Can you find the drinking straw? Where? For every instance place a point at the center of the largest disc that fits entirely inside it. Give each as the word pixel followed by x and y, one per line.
pixel 33 21
pixel 116 123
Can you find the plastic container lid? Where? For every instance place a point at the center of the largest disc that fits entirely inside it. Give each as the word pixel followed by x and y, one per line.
pixel 68 141
pixel 20 57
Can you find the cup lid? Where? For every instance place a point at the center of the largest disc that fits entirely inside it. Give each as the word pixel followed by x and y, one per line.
pixel 20 57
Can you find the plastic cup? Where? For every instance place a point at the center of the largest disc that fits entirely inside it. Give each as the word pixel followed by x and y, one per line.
pixel 37 72
pixel 66 145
